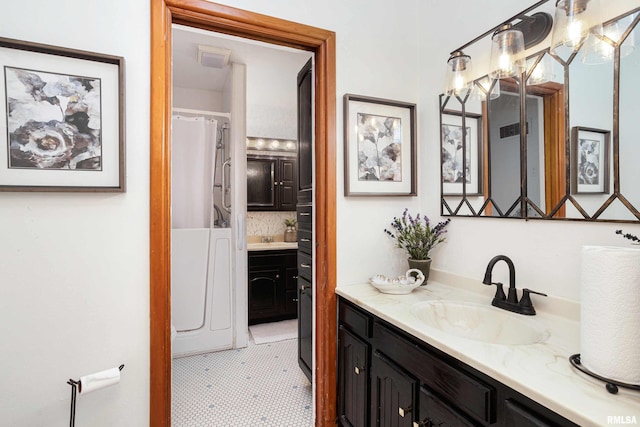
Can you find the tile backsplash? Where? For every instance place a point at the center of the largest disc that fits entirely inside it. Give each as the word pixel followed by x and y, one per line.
pixel 267 223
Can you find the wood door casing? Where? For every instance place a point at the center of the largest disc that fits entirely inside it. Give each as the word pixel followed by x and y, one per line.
pixel 224 19
pixel 554 142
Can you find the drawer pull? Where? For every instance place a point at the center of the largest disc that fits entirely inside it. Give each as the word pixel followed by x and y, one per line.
pixel 305 265
pixel 304 239
pixel 403 411
pixel 305 213
pixel 357 370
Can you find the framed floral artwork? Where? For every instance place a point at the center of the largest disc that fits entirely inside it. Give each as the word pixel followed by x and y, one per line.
pixel 379 147
pixel 457 167
pixel 63 112
pixel 589 160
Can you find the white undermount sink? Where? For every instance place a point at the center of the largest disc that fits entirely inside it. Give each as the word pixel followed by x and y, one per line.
pixel 481 323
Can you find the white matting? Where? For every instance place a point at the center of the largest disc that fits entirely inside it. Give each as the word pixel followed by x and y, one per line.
pixel 275 331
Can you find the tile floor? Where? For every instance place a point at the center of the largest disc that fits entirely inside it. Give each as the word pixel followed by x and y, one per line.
pixel 260 385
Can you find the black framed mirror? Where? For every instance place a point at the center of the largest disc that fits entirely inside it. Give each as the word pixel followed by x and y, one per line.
pixel 556 142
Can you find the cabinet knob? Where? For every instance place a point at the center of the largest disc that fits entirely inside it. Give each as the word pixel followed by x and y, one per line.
pixel 403 411
pixel 357 370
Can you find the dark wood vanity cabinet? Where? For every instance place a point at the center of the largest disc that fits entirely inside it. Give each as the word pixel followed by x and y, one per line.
pixel 272 286
pixel 272 183
pixel 386 377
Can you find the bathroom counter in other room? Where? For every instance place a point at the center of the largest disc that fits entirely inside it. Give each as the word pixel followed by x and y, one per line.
pixel 540 371
pixel 271 246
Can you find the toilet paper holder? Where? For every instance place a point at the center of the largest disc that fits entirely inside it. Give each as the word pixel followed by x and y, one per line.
pixel 610 385
pixel 74 388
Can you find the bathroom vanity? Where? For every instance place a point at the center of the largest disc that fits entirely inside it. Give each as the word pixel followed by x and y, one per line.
pixel 272 282
pixel 398 368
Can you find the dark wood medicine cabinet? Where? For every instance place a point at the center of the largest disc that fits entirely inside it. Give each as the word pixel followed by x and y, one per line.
pixel 272 183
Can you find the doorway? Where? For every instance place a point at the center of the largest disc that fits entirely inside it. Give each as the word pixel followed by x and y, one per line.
pixel 228 20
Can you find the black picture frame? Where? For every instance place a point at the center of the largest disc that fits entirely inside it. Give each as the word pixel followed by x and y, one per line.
pixel 379 147
pixel 63 119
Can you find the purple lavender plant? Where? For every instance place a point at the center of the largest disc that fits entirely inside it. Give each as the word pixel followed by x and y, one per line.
pixel 416 235
pixel 631 237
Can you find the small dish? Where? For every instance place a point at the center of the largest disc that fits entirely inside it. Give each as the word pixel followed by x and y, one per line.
pixel 400 286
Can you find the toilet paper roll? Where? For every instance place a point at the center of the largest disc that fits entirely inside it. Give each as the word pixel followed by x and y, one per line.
pixel 99 380
pixel 610 312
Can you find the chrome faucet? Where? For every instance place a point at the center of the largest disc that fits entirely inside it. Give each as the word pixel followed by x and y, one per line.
pixel 510 301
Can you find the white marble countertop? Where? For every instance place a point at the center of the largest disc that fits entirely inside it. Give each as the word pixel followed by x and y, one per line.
pixel 271 246
pixel 541 371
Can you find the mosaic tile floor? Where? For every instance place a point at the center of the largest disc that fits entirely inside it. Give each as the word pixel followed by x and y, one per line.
pixel 260 385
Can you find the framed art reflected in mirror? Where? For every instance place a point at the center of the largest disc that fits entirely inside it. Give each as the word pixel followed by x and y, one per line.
pixel 461 139
pixel 589 160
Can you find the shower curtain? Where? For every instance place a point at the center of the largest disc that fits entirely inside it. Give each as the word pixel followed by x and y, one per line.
pixel 193 148
pixel 192 161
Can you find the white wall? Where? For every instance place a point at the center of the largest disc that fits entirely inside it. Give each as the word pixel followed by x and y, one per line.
pixel 272 93
pixel 74 281
pixel 197 99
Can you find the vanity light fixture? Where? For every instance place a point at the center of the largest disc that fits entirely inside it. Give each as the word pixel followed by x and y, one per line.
pixel 459 74
pixel 507 52
pixel 598 50
pixel 485 87
pixel 575 21
pixel 271 144
pixel 508 42
pixel 543 71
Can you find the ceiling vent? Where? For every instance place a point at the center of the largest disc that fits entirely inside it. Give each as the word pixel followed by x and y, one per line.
pixel 214 57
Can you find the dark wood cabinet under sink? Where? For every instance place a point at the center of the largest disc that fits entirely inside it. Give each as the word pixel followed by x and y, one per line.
pixel 272 286
pixel 386 377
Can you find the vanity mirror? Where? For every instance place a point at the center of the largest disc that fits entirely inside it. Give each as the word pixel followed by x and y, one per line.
pixel 557 140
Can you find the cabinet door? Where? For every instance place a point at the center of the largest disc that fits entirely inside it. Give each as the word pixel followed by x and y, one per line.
pixel 435 412
pixel 393 394
pixel 261 184
pixel 305 325
pixel 305 127
pixel 353 372
pixel 263 294
pixel 287 185
pixel 519 415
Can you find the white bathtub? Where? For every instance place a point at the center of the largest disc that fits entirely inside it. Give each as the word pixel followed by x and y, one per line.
pixel 201 290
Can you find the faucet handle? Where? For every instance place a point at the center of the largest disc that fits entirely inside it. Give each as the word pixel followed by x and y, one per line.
pixel 525 301
pixel 499 291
